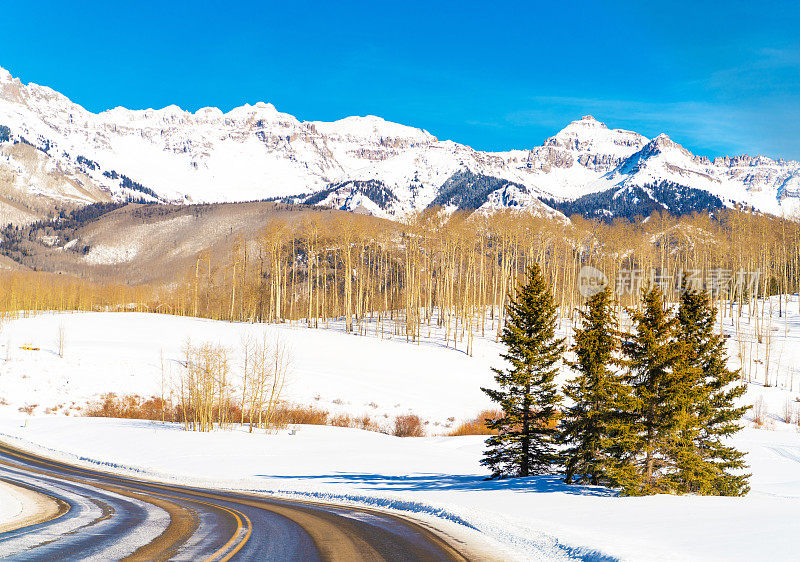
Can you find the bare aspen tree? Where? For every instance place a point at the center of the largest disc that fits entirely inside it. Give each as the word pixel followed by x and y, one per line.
pixel 163 381
pixel 62 334
pixel 247 344
pixel 269 364
pixel 204 387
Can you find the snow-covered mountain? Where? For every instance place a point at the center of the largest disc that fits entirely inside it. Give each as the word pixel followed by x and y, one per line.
pixel 53 150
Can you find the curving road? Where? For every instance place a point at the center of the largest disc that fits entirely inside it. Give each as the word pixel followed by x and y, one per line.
pixel 108 517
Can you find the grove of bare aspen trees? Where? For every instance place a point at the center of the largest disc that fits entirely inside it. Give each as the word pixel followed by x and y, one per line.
pixel 457 270
pixel 453 273
pixel 210 390
pixel 209 394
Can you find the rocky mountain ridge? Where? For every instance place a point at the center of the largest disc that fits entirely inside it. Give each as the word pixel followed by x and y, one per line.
pixel 55 152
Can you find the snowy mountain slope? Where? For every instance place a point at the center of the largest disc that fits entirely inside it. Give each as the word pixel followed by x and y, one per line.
pixel 357 163
pixel 761 183
pixel 32 184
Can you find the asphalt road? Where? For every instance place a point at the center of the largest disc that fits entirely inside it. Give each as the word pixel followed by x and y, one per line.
pixel 108 517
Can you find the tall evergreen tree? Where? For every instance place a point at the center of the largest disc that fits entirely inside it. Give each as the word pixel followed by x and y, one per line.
pixel 600 397
pixel 703 462
pixel 652 355
pixel 527 392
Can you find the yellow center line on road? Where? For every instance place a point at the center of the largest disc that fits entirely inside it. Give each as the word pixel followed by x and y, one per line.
pixel 239 527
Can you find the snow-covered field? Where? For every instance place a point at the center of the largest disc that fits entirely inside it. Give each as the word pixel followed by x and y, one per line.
pixel 381 376
pixel 122 353
pixel 434 476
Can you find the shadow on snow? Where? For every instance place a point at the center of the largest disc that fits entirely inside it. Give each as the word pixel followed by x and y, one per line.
pixel 451 482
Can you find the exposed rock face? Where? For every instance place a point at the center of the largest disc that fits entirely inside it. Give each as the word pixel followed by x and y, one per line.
pixel 256 152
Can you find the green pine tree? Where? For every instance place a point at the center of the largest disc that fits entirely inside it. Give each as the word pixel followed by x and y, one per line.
pixel 648 436
pixel 703 462
pixel 590 427
pixel 527 393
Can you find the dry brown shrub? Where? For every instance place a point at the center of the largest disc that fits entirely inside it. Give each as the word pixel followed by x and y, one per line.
pixel 136 407
pixel 28 409
pixel 366 423
pixel 132 406
pixel 286 414
pixel 789 410
pixel 342 420
pixel 477 426
pixel 408 425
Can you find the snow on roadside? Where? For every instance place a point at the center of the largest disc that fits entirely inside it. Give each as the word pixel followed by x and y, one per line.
pixel 11 504
pixel 20 506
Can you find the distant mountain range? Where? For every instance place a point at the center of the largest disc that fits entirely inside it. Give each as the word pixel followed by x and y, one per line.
pixel 53 152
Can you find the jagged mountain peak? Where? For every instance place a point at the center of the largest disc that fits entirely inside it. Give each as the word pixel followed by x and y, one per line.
pixel 260 107
pixel 586 125
pixel 33 95
pixel 590 121
pixel 590 135
pixel 664 141
pixel 262 112
pixel 169 110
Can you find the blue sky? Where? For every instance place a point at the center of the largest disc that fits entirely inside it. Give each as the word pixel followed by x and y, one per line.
pixel 718 77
